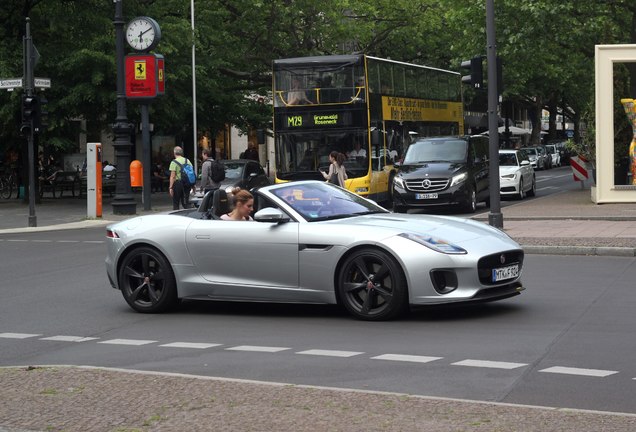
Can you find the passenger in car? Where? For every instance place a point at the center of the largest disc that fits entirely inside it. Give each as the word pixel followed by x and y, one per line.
pixel 243 206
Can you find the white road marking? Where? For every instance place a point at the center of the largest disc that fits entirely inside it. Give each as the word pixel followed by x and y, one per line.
pixel 489 364
pixel 547 187
pixel 42 241
pixel 18 335
pixel 18 240
pixel 257 348
pixel 69 338
pixel 67 241
pixel 93 241
pixel 330 353
pixel 136 342
pixel 406 358
pixel 577 371
pixel 190 345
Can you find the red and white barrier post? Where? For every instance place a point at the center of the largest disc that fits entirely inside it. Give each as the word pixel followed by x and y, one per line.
pixel 579 169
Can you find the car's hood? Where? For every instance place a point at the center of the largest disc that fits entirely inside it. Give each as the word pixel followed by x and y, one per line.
pixel 503 170
pixel 453 229
pixel 432 169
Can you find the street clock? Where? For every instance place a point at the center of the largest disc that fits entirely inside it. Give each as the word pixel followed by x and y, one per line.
pixel 143 33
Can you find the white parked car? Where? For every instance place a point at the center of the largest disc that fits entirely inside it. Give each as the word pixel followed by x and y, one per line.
pixel 516 174
pixel 555 154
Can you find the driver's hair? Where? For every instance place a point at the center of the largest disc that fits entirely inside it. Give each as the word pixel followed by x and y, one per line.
pixel 241 195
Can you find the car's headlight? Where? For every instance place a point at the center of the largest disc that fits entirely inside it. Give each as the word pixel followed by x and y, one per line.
pixel 509 176
pixel 459 178
pixel 399 181
pixel 436 244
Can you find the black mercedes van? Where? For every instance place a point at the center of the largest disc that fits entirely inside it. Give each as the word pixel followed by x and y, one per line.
pixel 443 172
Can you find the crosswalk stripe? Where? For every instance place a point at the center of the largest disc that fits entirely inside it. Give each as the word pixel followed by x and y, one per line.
pixel 489 364
pixel 578 371
pixel 257 348
pixel 330 353
pixel 190 345
pixel 406 358
pixel 62 338
pixel 136 342
pixel 18 335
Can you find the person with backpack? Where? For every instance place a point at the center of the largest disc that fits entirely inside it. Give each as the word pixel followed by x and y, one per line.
pixel 212 172
pixel 181 179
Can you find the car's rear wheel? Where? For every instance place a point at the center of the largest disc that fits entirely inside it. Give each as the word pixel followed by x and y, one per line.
pixel 372 286
pixel 147 281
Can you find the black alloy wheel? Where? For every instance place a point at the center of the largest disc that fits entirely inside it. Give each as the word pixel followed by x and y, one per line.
pixel 372 286
pixel 146 281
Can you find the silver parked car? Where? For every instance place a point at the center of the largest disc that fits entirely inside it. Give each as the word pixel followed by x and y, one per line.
pixel 312 242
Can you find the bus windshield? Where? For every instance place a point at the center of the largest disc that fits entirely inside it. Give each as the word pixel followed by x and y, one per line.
pixel 301 155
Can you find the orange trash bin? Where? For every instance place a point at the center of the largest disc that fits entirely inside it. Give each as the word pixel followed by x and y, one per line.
pixel 136 174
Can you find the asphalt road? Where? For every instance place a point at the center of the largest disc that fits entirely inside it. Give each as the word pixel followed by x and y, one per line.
pixel 567 341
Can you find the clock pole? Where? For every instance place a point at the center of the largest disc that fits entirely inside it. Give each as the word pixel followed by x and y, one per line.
pixel 124 201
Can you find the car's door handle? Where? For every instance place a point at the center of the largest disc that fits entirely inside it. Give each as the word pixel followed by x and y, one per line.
pixel 202 237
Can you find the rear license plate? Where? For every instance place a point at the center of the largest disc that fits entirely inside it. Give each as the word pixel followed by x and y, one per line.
pixel 426 196
pixel 504 273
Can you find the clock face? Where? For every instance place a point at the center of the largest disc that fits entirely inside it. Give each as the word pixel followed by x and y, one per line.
pixel 143 33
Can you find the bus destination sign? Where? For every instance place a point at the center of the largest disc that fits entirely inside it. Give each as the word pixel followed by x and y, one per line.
pixel 315 120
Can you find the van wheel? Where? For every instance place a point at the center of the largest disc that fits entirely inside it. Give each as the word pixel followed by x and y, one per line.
pixel 471 204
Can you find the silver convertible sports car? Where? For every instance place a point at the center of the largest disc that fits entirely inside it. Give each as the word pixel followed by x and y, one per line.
pixel 311 242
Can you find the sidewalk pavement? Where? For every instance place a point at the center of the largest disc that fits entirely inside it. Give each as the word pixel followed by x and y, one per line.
pixel 65 398
pixel 566 223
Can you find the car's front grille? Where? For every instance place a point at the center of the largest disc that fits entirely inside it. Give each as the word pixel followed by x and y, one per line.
pixel 499 260
pixel 426 185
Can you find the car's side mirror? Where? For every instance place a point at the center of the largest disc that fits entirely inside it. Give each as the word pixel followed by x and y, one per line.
pixel 525 162
pixel 271 214
pixel 397 164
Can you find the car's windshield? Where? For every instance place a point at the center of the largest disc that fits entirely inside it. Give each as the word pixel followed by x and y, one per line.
pixel 233 170
pixel 316 201
pixel 531 151
pixel 439 150
pixel 507 159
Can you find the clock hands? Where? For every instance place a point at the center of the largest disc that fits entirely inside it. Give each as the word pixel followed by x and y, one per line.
pixel 141 33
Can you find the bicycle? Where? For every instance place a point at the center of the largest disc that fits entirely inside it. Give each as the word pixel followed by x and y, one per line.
pixel 7 185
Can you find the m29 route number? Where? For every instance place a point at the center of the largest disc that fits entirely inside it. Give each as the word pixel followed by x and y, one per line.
pixel 295 121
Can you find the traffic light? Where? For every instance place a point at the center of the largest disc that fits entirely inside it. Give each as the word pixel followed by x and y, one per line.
pixel 476 69
pixel 41 114
pixel 29 105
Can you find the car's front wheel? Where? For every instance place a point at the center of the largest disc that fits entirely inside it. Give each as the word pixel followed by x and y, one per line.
pixel 533 190
pixel 372 286
pixel 470 205
pixel 147 281
pixel 521 195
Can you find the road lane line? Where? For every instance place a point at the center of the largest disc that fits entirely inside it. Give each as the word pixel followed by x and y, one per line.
pixel 489 364
pixel 93 241
pixel 18 240
pixel 193 345
pixel 330 353
pixel 42 241
pixel 406 358
pixel 62 338
pixel 578 371
pixel 67 241
pixel 136 342
pixel 18 335
pixel 255 348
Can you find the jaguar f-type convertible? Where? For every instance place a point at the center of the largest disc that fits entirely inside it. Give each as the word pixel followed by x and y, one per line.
pixel 310 242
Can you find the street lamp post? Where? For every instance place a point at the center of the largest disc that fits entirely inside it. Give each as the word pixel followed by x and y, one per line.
pixel 123 202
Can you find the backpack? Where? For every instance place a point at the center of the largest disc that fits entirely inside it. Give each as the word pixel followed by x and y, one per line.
pixel 217 171
pixel 188 179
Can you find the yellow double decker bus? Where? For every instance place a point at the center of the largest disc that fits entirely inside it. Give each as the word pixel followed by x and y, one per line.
pixel 370 109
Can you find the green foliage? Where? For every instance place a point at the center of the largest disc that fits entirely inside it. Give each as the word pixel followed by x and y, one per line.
pixel 547 50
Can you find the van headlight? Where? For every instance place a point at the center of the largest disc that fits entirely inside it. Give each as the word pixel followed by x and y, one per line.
pixel 399 181
pixel 459 178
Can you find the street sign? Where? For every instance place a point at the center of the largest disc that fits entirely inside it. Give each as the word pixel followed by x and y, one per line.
pixel 10 83
pixel 42 82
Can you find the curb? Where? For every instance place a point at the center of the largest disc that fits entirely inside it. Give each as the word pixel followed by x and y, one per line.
pixel 580 250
